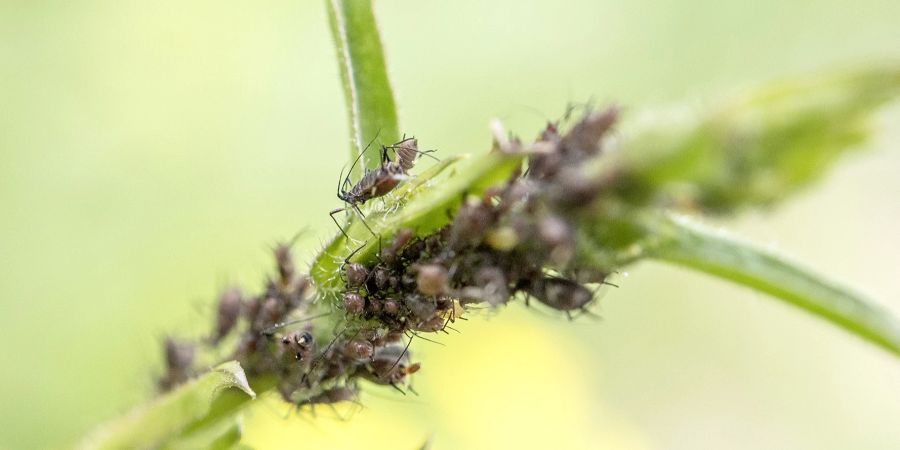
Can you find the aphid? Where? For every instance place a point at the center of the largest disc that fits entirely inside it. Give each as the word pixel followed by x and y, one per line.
pixel 389 254
pixel 420 307
pixel 359 349
pixel 227 314
pixel 330 396
pixel 378 181
pixel 556 235
pixel 432 279
pixel 583 140
pixel 284 262
pixel 356 274
pixel 299 344
pixel 491 286
pixel 434 324
pixel 571 188
pixel 179 357
pixel 472 219
pixel 560 294
pixel 354 303
pixel 383 278
pixel 389 366
pixel 390 306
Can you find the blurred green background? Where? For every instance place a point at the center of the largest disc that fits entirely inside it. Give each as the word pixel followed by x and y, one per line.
pixel 151 152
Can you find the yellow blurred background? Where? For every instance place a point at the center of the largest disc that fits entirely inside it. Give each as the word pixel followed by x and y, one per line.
pixel 151 152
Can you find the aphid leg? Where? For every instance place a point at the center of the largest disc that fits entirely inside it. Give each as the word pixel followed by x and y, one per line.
pixel 591 314
pixel 387 374
pixel 347 260
pixel 332 213
pixel 394 147
pixel 394 385
pixel 336 413
pixel 362 219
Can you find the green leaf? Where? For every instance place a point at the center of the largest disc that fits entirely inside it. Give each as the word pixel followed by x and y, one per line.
pixel 752 150
pixel 158 422
pixel 680 241
pixel 370 101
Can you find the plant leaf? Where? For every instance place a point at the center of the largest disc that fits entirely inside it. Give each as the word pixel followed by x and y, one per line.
pixel 370 101
pixel 167 416
pixel 752 150
pixel 680 241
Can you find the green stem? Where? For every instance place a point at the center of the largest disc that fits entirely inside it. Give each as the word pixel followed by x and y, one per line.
pixel 687 244
pixel 370 100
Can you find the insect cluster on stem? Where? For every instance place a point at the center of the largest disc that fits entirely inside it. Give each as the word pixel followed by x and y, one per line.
pixel 516 239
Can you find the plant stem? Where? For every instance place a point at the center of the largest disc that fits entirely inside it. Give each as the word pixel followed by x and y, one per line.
pixel 684 243
pixel 370 100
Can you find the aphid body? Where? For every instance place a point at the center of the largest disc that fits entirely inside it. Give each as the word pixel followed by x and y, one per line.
pixel 380 180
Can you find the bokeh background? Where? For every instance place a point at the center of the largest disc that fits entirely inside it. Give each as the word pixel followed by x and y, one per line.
pixel 152 152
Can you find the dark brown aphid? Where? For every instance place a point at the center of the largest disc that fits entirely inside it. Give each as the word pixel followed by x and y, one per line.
pixel 227 314
pixel 354 303
pixel 431 325
pixel 380 180
pixel 560 294
pixel 472 219
pixel 583 140
pixel 179 357
pixel 390 306
pixel 389 366
pixel 356 274
pixel 383 278
pixel 299 344
pixel 284 261
pixel 389 253
pixel 359 349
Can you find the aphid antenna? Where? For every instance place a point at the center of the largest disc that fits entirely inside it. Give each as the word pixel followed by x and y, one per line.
pixel 359 156
pixel 271 330
pixel 426 339
pixel 315 362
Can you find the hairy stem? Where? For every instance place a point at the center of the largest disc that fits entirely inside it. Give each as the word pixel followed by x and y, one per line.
pixel 370 100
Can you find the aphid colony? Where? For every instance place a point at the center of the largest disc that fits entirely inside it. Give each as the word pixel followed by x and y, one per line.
pixel 516 240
